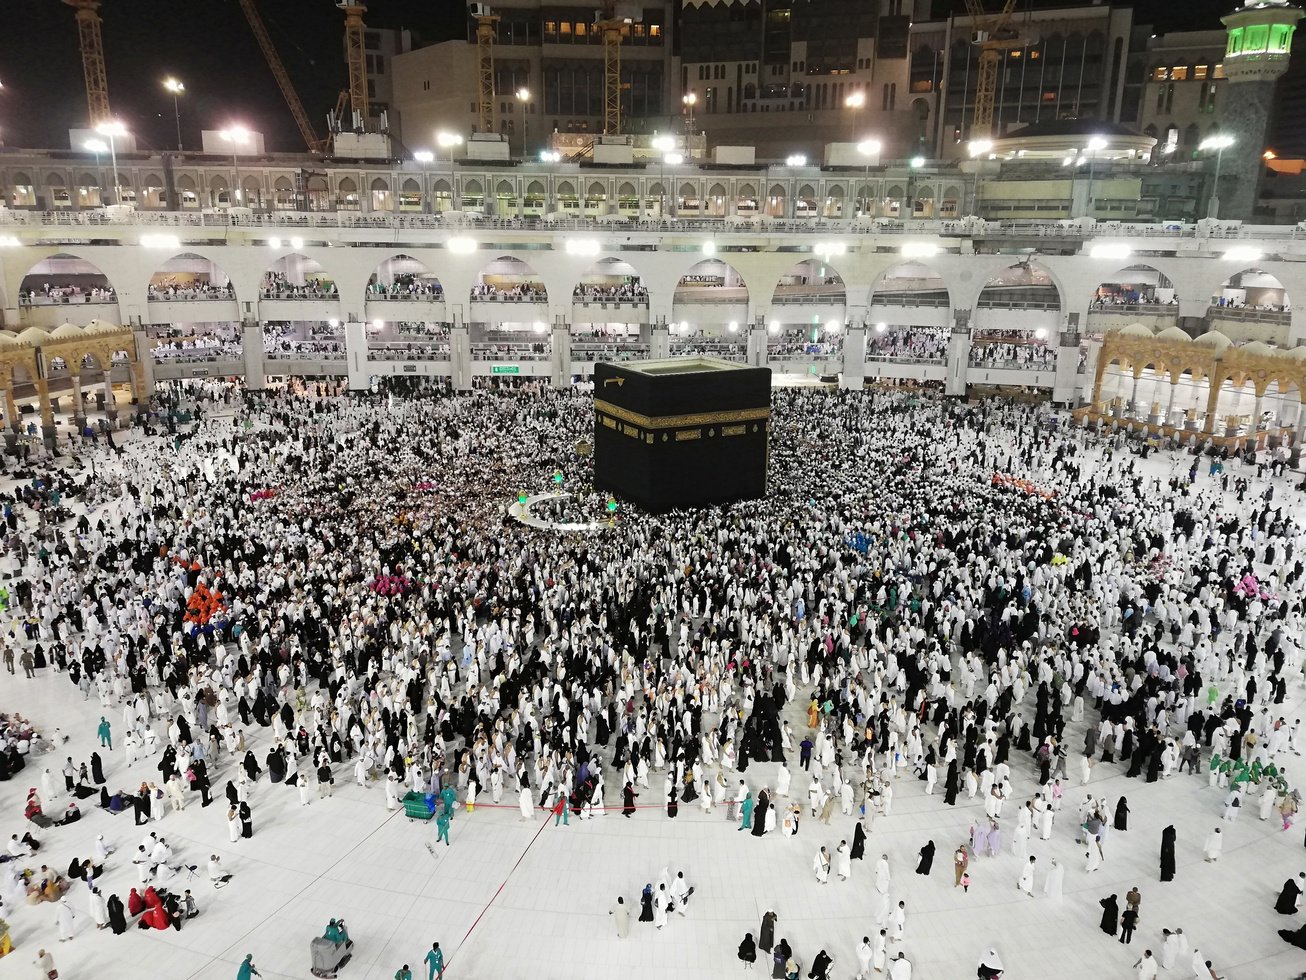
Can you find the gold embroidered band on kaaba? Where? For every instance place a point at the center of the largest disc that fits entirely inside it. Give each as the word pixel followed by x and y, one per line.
pixel 676 421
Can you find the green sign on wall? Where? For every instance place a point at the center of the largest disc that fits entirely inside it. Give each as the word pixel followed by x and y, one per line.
pixel 505 369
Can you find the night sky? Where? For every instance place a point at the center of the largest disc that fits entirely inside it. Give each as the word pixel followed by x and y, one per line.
pixel 205 43
pixel 209 46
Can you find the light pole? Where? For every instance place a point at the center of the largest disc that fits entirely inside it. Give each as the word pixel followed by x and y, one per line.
pixel 448 141
pixel 664 145
pixel 424 157
pixel 868 149
pixel 524 97
pixel 1095 143
pixel 112 128
pixel 689 100
pixel 855 103
pixel 97 147
pixel 1218 144
pixel 176 88
pixel 237 136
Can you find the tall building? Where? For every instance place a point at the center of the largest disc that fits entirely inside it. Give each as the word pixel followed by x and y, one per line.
pixel 1260 39
pixel 834 71
pixel 1069 64
pixel 553 55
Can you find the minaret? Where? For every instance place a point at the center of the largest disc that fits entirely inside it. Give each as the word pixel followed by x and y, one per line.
pixel 1260 39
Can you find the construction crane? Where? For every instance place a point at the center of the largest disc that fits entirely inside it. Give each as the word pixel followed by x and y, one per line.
pixel 356 57
pixel 487 25
pixel 612 19
pixel 92 47
pixel 993 35
pixel 288 92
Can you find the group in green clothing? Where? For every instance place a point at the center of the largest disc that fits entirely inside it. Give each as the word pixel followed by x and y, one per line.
pixel 434 959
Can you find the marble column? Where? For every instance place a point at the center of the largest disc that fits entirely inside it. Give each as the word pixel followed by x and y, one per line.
pixel 958 364
pixel 251 348
pixel 560 357
pixel 853 375
pixel 110 401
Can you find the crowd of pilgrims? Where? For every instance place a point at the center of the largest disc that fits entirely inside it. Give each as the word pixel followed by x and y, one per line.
pixel 381 614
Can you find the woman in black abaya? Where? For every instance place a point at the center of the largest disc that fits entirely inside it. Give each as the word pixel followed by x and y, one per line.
pixel 759 813
pixel 1167 853
pixel 927 859
pixel 859 842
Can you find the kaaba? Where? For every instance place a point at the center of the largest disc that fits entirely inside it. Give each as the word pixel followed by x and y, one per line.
pixel 682 432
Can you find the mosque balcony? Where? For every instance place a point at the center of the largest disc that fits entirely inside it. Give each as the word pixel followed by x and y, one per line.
pixel 192 311
pixel 316 352
pixel 805 364
pixel 1243 324
pixel 940 360
pixel 47 316
pixel 408 352
pixel 1157 316
pixel 197 355
pixel 706 348
pixel 299 308
pixel 515 368
pixel 507 309
pixel 1017 316
pixel 173 369
pixel 915 309
pixel 1011 377
pixel 814 311
pixel 612 353
pixel 423 368
pixel 904 370
pixel 317 366
pixel 609 311
pixel 513 352
pixel 425 306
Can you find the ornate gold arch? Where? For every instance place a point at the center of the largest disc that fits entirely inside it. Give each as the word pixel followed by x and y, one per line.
pixel 1172 358
pixel 101 345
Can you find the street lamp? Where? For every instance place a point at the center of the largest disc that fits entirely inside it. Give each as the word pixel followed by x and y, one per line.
pixel 424 157
pixel 237 136
pixel 97 147
pixel 868 149
pixel 1095 143
pixel 176 88
pixel 448 141
pixel 689 99
pixel 675 160
pixel 1218 143
pixel 112 128
pixel 524 97
pixel 855 103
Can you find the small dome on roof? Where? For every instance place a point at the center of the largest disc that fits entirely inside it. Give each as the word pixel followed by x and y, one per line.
pixel 1174 333
pixel 1135 330
pixel 1213 338
pixel 67 331
pixel 34 336
pixel 7 339
pixel 1297 353
pixel 1259 349
pixel 102 326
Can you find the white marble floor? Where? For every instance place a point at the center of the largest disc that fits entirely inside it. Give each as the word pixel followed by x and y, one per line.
pixel 514 899
pixel 346 856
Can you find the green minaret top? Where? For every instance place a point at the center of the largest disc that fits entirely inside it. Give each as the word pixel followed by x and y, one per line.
pixel 1260 39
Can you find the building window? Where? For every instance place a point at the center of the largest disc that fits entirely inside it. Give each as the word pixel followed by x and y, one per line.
pixel 550 29
pixel 1160 74
pixel 654 30
pixel 1179 73
pixel 1199 72
pixel 1218 71
pixel 564 28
